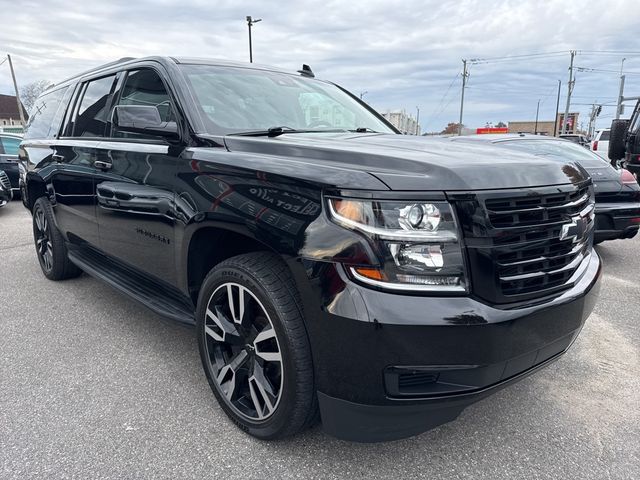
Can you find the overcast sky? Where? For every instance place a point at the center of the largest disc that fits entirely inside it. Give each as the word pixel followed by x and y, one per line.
pixel 402 53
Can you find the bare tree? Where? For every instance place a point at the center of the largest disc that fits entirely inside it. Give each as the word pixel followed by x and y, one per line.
pixel 452 127
pixel 31 91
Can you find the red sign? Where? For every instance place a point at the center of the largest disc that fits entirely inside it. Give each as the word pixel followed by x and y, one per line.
pixel 485 130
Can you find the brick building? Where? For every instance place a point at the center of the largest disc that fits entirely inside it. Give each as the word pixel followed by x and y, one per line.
pixel 545 127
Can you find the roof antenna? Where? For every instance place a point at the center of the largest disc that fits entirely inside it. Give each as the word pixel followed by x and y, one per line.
pixel 306 71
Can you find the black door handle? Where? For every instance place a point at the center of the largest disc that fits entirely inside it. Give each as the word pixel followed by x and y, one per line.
pixel 57 158
pixel 102 165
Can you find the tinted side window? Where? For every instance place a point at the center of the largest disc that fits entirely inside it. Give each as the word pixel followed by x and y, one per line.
pixel 605 136
pixel 92 116
pixel 10 145
pixel 145 87
pixel 43 114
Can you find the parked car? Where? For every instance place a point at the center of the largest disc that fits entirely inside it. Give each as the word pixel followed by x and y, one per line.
pixel 5 189
pixel 576 138
pixel 616 191
pixel 9 159
pixel 624 145
pixel 600 143
pixel 328 263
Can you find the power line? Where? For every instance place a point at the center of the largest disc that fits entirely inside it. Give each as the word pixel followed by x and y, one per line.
pixel 600 70
pixel 440 103
pixel 608 52
pixel 476 61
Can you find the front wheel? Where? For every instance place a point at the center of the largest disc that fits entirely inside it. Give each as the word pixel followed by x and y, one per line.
pixel 254 346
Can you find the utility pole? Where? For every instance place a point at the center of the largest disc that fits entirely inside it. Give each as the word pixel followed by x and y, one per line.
pixel 15 86
pixel 418 121
pixel 569 90
pixel 465 74
pixel 592 117
pixel 537 111
pixel 555 123
pixel 620 97
pixel 250 23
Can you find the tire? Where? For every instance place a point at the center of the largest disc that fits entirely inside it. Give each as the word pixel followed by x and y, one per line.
pixel 50 246
pixel 239 346
pixel 617 138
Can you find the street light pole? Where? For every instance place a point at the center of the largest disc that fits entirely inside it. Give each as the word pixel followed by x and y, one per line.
pixel 620 97
pixel 250 23
pixel 418 121
pixel 537 111
pixel 621 94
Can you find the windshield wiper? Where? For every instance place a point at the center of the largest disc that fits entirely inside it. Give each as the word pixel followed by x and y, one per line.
pixel 269 132
pixel 275 131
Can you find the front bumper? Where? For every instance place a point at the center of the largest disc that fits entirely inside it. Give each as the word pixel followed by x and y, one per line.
pixel 465 350
pixel 616 220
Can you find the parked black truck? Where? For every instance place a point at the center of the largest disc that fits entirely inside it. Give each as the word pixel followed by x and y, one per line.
pixel 332 266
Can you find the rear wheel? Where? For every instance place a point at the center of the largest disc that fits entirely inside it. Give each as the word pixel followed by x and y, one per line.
pixel 50 246
pixel 254 346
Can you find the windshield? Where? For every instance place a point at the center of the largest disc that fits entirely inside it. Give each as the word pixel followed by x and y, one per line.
pixel 235 100
pixel 565 151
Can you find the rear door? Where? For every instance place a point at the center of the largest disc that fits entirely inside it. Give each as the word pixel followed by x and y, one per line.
pixel 76 154
pixel 135 193
pixel 42 132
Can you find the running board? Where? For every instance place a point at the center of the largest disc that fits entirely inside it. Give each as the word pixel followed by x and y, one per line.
pixel 160 298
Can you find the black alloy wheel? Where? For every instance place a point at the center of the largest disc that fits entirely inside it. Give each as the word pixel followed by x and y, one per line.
pixel 254 346
pixel 243 351
pixel 42 236
pixel 50 245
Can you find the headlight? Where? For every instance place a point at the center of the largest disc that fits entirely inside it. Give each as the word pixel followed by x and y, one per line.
pixel 417 243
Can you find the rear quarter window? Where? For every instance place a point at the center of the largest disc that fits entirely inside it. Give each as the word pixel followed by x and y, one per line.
pixel 604 136
pixel 42 122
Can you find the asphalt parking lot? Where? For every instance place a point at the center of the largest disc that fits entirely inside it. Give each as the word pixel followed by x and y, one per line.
pixel 92 385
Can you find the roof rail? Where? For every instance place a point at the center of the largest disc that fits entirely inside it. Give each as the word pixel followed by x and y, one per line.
pixel 98 68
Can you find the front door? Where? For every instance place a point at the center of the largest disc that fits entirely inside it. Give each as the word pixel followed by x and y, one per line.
pixel 135 194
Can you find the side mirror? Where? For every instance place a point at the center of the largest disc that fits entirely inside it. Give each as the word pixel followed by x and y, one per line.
pixel 618 139
pixel 144 119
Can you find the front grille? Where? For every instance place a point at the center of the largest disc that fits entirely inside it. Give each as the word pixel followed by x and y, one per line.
pixel 526 244
pixel 4 180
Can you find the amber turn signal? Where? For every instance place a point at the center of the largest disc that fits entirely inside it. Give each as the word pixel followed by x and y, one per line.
pixel 349 209
pixel 372 273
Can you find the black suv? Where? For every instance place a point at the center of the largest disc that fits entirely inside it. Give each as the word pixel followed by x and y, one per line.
pixel 332 266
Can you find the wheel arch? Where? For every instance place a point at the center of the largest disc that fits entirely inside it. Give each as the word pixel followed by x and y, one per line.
pixel 208 246
pixel 35 187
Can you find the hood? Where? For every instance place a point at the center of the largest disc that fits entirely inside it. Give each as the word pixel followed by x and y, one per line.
pixel 405 162
pixel 606 179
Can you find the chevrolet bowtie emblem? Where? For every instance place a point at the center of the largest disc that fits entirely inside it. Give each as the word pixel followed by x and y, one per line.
pixel 575 230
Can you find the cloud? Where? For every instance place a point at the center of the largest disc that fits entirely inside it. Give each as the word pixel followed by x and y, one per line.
pixel 403 53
